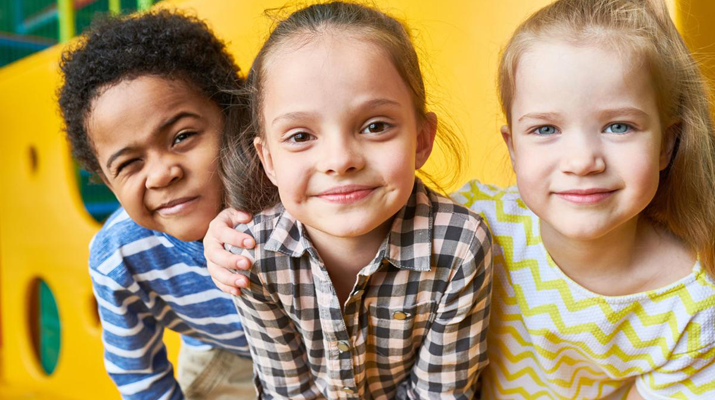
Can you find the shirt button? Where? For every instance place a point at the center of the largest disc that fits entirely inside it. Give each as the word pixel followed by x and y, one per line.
pixel 348 390
pixel 343 346
pixel 399 315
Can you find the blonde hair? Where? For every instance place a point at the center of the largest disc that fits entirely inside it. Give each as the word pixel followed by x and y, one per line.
pixel 684 200
pixel 246 183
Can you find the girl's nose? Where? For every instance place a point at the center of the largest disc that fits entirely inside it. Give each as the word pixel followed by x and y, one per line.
pixel 583 157
pixel 341 155
pixel 162 173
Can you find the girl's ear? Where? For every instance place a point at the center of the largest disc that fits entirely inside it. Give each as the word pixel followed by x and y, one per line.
pixel 264 154
pixel 425 139
pixel 672 133
pixel 506 135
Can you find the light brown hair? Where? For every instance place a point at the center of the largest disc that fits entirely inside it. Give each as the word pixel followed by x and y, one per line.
pixel 642 29
pixel 247 185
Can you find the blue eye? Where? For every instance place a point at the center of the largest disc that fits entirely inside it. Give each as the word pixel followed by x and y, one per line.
pixel 545 130
pixel 618 128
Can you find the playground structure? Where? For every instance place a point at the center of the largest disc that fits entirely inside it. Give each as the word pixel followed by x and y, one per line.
pixel 50 344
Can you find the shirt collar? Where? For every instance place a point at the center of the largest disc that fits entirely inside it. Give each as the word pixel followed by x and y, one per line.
pixel 407 246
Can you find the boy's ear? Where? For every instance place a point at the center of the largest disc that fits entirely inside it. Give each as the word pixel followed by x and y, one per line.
pixel 672 132
pixel 264 154
pixel 506 135
pixel 425 139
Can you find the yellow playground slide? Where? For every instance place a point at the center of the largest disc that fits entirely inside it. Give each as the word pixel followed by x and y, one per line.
pixel 45 228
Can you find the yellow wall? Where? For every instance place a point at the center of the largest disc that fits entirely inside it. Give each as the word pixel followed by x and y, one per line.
pixel 44 230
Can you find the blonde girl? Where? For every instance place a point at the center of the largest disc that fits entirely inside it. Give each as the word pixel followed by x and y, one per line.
pixel 605 259
pixel 365 284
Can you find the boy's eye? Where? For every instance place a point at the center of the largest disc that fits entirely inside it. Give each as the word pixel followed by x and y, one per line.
pixel 183 136
pixel 124 165
pixel 618 128
pixel 375 127
pixel 300 137
pixel 545 130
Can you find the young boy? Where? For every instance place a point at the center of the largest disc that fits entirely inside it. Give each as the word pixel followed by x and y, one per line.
pixel 144 100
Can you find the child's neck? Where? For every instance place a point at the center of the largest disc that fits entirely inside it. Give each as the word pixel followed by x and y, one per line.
pixel 344 257
pixel 635 257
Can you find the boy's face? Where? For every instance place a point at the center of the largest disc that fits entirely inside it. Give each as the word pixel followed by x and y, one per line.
pixel 157 142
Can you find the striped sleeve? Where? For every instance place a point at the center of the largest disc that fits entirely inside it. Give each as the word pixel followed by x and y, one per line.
pixel 134 353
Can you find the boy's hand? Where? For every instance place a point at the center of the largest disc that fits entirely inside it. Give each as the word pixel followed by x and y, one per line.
pixel 221 262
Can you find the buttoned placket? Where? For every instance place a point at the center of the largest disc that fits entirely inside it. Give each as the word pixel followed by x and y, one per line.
pixel 338 347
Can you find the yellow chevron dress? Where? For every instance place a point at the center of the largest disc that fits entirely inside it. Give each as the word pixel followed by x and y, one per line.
pixel 550 338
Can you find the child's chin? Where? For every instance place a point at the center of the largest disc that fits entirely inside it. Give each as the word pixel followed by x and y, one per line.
pixel 187 232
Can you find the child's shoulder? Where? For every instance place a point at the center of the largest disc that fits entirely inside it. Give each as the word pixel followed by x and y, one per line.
pixel 263 223
pixel 494 204
pixel 474 194
pixel 119 237
pixel 446 212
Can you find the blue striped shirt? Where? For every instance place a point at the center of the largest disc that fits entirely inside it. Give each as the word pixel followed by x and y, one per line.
pixel 145 281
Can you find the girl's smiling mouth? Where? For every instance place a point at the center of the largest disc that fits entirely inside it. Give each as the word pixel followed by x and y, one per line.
pixel 585 196
pixel 346 194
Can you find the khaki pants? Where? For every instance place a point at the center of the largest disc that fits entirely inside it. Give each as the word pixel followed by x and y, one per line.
pixel 214 374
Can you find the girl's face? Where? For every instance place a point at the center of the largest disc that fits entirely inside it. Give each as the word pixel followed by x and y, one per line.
pixel 586 140
pixel 341 138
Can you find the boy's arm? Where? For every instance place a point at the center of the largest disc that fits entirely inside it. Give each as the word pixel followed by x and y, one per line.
pixel 220 262
pixel 454 351
pixel 134 352
pixel 277 349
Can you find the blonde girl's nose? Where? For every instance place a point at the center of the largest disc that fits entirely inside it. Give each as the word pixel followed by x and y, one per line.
pixel 582 157
pixel 162 173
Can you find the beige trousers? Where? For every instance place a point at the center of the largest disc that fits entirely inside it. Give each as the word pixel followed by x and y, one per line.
pixel 214 374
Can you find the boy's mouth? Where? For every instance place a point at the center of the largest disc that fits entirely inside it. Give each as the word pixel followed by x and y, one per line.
pixel 176 206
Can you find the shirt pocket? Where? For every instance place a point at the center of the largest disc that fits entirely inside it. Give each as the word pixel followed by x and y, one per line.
pixel 396 333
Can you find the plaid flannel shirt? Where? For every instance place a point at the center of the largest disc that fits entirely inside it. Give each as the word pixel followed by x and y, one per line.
pixel 413 327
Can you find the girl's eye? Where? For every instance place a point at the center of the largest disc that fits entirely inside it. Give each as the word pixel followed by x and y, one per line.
pixel 183 136
pixel 300 137
pixel 618 128
pixel 545 130
pixel 376 127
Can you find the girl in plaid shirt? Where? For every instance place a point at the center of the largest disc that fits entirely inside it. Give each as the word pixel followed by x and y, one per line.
pixel 365 283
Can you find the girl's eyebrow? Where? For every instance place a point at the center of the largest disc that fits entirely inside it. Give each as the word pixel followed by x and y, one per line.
pixel 296 115
pixel 375 103
pixel 540 116
pixel 623 111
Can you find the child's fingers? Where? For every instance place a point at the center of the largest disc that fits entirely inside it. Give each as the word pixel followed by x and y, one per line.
pixel 215 253
pixel 221 229
pixel 226 277
pixel 227 289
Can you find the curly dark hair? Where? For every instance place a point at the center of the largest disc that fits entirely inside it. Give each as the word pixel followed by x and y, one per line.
pixel 162 43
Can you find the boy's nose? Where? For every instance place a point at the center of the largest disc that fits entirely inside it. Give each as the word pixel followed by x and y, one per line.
pixel 162 174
